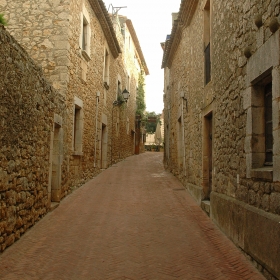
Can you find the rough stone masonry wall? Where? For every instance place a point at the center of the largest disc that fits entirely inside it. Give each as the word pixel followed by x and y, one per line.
pixel 42 28
pixel 247 210
pixel 27 107
pixel 118 145
pixel 234 22
pixel 81 166
pixel 123 144
pixel 187 76
pixel 233 31
pixel 50 31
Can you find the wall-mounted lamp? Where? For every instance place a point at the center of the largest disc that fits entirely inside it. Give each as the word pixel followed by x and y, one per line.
pixel 125 94
pixel 123 97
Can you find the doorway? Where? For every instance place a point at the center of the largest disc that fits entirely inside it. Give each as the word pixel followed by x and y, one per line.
pixel 56 164
pixel 207 155
pixel 104 146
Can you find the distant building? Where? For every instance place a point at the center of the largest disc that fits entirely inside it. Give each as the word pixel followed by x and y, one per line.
pixel 221 118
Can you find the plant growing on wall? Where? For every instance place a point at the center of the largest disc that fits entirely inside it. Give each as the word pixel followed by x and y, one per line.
pixel 140 98
pixel 2 19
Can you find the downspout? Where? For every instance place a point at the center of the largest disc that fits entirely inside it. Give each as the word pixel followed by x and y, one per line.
pixel 96 122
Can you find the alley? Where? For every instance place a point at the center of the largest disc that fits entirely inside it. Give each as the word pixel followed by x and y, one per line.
pixel 133 221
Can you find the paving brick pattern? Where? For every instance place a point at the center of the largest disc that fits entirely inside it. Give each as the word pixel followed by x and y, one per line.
pixel 133 221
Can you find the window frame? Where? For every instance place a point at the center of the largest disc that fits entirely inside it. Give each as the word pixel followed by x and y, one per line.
pixel 78 126
pixel 207 17
pixel 85 35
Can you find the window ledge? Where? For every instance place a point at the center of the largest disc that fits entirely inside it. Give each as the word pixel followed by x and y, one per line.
pixel 77 153
pixel 85 55
pixel 265 173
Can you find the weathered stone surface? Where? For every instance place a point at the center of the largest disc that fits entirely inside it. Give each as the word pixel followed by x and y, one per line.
pixel 24 138
pixel 39 161
pixel 216 141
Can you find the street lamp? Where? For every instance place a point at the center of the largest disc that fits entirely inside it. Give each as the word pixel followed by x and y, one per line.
pixel 123 98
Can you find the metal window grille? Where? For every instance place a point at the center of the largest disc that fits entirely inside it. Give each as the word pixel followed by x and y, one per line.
pixel 268 125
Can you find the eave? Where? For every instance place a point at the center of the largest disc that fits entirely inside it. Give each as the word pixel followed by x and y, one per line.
pixel 186 12
pixel 102 14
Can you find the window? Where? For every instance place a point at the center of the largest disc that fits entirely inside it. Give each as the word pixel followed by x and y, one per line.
pixel 262 139
pixel 78 126
pixel 85 35
pixel 207 42
pixel 106 69
pixel 268 124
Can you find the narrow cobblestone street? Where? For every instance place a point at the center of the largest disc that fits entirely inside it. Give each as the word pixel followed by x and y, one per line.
pixel 133 221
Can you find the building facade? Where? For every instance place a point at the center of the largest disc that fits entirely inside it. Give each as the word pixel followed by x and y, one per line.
pixel 221 113
pixel 90 59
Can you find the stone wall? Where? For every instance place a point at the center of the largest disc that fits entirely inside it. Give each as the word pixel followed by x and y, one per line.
pixel 90 133
pixel 52 36
pixel 214 142
pixel 42 28
pixel 27 107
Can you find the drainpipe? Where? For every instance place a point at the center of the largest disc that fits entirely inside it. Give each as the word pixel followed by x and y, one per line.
pixel 96 122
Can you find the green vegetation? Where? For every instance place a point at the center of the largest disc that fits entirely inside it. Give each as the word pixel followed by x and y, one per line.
pixel 140 98
pixel 149 120
pixel 152 119
pixel 3 20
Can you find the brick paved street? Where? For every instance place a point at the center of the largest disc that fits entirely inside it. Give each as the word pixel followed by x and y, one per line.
pixel 133 221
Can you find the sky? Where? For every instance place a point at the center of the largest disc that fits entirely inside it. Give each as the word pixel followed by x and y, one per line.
pixel 152 21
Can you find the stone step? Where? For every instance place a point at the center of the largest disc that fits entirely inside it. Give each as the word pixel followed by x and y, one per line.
pixel 205 205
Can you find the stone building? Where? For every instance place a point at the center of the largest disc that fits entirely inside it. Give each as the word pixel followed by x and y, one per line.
pixel 90 59
pixel 222 119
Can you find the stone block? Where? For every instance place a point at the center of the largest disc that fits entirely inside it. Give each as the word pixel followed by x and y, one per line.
pixel 276 168
pixel 276 142
pixel 253 230
pixel 260 37
pixel 275 83
pixel 264 173
pixel 62 45
pixel 249 122
pixel 275 203
pixel 275 115
pixel 247 144
pixel 248 165
pixel 263 59
pixel 196 192
pixel 247 98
